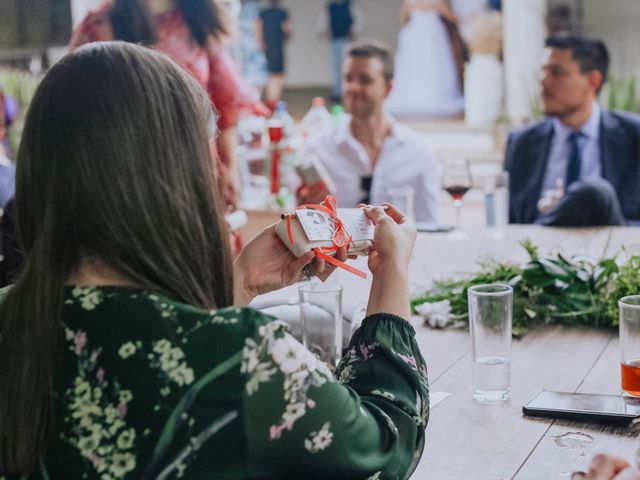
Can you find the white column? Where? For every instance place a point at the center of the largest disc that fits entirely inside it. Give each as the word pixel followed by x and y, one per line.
pixel 524 33
pixel 79 8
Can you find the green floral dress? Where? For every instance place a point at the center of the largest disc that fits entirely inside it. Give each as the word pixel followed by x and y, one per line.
pixel 151 388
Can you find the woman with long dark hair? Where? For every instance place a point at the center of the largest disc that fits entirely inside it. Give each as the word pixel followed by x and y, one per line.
pixel 120 356
pixel 192 33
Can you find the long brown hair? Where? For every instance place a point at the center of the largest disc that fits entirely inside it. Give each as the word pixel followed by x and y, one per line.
pixel 132 21
pixel 114 164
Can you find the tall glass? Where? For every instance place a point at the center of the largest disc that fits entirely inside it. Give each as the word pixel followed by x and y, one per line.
pixel 322 325
pixel 490 321
pixel 402 199
pixel 496 200
pixel 629 311
pixel 456 181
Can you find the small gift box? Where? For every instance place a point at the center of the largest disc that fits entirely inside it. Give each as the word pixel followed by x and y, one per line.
pixel 325 229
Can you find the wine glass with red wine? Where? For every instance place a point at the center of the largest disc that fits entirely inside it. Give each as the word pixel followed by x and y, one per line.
pixel 456 181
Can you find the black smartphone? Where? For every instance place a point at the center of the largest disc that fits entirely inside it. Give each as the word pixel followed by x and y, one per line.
pixel 583 407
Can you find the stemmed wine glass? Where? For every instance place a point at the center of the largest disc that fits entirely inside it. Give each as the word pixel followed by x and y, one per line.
pixel 456 181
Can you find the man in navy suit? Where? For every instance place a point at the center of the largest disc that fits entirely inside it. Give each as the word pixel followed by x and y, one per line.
pixel 579 166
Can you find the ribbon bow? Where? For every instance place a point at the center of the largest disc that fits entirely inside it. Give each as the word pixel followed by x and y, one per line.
pixel 341 238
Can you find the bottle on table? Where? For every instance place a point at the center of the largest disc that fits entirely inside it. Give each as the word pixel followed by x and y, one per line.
pixel 281 113
pixel 280 128
pixel 317 120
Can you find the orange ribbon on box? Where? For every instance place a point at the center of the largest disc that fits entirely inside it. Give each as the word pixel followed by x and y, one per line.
pixel 341 237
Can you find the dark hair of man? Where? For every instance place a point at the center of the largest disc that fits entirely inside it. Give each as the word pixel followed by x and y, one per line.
pixel 590 53
pixel 373 49
pixel 132 21
pixel 114 164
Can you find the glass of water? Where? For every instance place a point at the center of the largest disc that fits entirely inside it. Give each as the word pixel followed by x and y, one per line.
pixel 490 308
pixel 496 196
pixel 322 324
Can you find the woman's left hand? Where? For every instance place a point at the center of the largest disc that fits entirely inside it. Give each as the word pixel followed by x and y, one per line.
pixel 266 264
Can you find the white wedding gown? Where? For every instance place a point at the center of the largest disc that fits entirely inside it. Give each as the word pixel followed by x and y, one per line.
pixel 426 80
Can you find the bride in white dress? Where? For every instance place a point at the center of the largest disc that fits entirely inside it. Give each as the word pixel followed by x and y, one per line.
pixel 426 82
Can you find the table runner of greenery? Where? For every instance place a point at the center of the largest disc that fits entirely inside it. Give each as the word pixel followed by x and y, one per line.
pixel 549 290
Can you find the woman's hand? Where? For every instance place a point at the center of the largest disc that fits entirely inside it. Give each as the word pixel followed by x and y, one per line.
pixel 394 237
pixel 608 467
pixel 266 264
pixel 393 241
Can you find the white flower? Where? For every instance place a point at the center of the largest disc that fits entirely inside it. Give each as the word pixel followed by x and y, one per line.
pixel 293 412
pixel 249 356
pixel 182 375
pixel 168 361
pixel 319 440
pixel 436 314
pixel 85 412
pixel 387 395
pixel 287 354
pixel 110 414
pixel 162 346
pixel 126 439
pixel 88 444
pixel 122 463
pixel 346 373
pixel 127 350
pixel 125 396
pixel 91 300
pixel 82 389
pixel 261 374
pixel 295 381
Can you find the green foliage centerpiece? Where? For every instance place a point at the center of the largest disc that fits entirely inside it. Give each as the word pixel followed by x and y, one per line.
pixel 548 290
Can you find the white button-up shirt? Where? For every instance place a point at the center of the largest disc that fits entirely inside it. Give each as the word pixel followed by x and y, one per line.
pixel 405 160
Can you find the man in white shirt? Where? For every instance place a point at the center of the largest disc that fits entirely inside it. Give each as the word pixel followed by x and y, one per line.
pixel 371 154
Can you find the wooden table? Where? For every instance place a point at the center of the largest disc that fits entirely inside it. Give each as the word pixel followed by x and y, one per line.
pixel 469 440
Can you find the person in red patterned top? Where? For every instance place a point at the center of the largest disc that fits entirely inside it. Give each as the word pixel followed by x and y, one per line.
pixel 192 33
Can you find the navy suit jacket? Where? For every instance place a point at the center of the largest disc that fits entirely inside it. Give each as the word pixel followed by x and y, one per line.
pixel 528 152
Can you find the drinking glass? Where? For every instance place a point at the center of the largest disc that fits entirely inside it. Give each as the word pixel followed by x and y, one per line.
pixel 322 324
pixel 496 200
pixel 490 320
pixel 456 181
pixel 402 199
pixel 629 311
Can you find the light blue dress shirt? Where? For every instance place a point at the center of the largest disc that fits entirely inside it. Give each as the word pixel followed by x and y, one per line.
pixel 589 142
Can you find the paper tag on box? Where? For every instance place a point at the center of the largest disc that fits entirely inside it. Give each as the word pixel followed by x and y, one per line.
pixel 319 226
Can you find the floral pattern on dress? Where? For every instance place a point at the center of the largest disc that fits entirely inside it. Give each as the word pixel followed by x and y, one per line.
pixel 139 392
pixel 276 351
pixel 97 409
pixel 361 351
pixel 88 297
pixel 319 440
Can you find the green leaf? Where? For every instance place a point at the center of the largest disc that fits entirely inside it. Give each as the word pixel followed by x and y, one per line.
pixel 552 268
